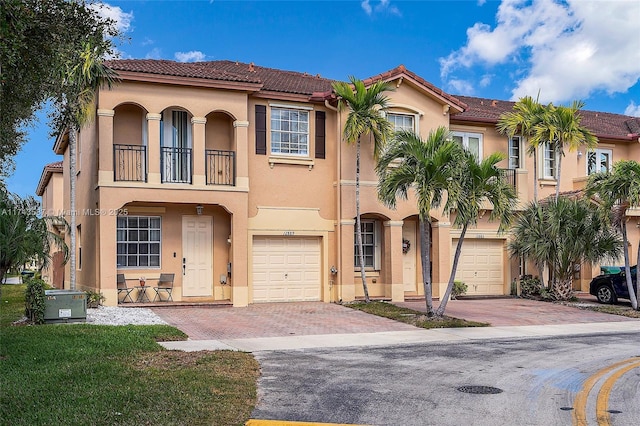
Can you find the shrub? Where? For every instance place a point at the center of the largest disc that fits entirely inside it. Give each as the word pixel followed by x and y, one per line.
pixel 35 300
pixel 530 286
pixel 94 299
pixel 459 288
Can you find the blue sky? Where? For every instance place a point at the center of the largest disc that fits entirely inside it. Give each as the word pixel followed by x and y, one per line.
pixel 565 50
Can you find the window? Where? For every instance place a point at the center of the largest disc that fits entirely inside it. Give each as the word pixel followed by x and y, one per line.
pixel 514 152
pixel 401 121
pixel 599 160
pixel 549 158
pixel 472 142
pixel 289 131
pixel 138 241
pixel 175 136
pixel 370 245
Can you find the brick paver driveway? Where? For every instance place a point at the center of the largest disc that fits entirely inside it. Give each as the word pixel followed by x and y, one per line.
pixel 274 320
pixel 512 311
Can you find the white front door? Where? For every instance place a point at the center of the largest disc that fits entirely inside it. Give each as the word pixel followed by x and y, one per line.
pixel 197 261
pixel 409 258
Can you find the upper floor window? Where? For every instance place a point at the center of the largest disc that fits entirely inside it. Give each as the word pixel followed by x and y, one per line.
pixel 175 129
pixel 472 142
pixel 515 148
pixel 370 245
pixel 549 161
pixel 599 160
pixel 138 241
pixel 289 131
pixel 401 121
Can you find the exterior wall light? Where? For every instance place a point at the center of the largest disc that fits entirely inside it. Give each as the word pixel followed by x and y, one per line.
pixel 199 209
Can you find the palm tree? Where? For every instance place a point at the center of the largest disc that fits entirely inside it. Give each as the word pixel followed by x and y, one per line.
pixel 618 191
pixel 479 183
pixel 561 126
pixel 83 80
pixel 526 114
pixel 427 166
pixel 366 116
pixel 562 233
pixel 24 236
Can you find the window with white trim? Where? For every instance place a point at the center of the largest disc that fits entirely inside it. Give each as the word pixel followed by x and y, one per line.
pixel 515 149
pixel 401 121
pixel 549 161
pixel 289 132
pixel 370 245
pixel 599 160
pixel 472 142
pixel 138 241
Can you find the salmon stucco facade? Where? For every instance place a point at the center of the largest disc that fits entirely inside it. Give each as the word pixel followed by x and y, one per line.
pixel 235 178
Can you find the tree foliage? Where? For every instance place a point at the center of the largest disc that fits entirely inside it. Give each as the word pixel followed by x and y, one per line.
pixel 562 233
pixel 24 235
pixel 617 191
pixel 429 168
pixel 41 40
pixel 366 108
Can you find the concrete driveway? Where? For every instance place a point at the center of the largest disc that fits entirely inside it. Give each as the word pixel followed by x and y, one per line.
pixel 316 318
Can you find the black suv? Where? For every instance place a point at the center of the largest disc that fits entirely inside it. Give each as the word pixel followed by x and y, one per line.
pixel 608 288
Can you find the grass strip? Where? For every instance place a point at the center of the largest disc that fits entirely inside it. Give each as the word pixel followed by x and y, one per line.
pixel 78 374
pixel 409 316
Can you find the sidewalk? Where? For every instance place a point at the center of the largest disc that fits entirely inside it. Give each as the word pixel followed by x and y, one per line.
pixel 417 336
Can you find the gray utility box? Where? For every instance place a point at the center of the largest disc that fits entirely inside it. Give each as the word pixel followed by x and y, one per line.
pixel 65 306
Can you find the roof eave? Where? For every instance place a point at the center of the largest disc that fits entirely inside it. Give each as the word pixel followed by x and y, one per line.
pixel 189 81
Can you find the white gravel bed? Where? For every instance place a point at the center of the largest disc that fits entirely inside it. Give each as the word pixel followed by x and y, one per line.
pixel 113 315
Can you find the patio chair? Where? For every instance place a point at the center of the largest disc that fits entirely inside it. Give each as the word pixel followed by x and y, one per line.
pixel 122 288
pixel 165 283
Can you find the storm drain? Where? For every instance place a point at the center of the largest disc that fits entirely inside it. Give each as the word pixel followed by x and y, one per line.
pixel 480 390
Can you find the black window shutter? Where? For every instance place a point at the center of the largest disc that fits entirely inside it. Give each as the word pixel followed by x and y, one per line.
pixel 320 134
pixel 261 129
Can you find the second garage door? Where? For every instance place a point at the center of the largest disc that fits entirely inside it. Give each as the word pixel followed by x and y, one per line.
pixel 481 266
pixel 286 269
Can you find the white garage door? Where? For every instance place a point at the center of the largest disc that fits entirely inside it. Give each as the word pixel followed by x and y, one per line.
pixel 286 269
pixel 481 266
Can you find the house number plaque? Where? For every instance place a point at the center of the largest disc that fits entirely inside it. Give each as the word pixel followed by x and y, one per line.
pixel 288 233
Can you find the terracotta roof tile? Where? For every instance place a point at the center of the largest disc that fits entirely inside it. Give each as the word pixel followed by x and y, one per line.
pixel 603 124
pixel 47 171
pixel 272 79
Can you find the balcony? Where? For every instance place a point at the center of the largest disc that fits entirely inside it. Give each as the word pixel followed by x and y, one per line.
pixel 509 177
pixel 220 167
pixel 129 163
pixel 176 165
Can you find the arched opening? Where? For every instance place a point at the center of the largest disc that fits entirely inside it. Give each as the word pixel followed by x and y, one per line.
pixel 219 150
pixel 176 146
pixel 129 143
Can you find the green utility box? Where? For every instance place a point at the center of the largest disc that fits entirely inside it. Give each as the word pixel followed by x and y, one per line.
pixel 65 306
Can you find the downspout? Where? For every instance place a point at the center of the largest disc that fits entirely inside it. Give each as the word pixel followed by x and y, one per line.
pixel 338 197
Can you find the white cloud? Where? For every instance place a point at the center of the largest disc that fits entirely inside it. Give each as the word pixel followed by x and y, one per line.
pixel 486 80
pixel 154 53
pixel 632 109
pixel 121 19
pixel 567 49
pixel 192 56
pixel 461 87
pixel 382 6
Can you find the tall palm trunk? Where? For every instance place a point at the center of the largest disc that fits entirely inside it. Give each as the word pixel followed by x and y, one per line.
pixel 363 274
pixel 425 256
pixel 627 269
pixel 452 277
pixel 72 206
pixel 535 176
pixel 558 174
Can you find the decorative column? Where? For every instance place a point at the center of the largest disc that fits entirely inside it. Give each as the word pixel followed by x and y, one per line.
pixel 347 290
pixel 441 257
pixel 394 283
pixel 198 151
pixel 241 135
pixel 153 147
pixel 105 145
pixel 107 257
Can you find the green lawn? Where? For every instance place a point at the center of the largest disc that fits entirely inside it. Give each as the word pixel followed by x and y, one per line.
pixel 409 316
pixel 103 375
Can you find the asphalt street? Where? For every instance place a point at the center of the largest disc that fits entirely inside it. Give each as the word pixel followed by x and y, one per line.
pixel 537 381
